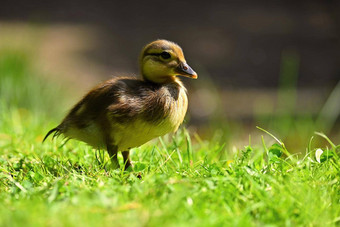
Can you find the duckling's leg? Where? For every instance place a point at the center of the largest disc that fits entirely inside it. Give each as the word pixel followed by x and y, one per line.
pixel 112 150
pixel 126 156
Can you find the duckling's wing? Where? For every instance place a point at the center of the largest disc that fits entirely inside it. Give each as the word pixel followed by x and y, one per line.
pixel 138 100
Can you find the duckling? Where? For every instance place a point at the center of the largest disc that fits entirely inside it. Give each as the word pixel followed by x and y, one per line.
pixel 125 112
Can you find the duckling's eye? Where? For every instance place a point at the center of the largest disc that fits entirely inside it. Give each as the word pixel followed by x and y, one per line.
pixel 165 55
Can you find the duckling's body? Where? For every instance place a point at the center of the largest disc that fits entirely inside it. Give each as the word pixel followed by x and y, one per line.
pixel 131 111
pixel 123 113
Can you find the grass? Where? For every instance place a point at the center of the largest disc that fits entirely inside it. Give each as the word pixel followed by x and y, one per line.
pixel 178 180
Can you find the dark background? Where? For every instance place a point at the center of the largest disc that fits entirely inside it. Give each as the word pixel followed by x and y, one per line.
pixel 238 43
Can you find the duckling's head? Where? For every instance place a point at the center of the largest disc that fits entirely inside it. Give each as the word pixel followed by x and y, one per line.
pixel 162 61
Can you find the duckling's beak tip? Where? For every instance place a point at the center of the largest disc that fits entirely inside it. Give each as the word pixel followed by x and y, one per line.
pixel 185 70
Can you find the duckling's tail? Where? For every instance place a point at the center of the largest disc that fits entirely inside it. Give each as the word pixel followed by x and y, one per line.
pixel 56 132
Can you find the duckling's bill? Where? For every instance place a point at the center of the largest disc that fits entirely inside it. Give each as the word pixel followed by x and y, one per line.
pixel 184 69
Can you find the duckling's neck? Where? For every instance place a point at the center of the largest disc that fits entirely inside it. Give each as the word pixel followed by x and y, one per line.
pixel 164 80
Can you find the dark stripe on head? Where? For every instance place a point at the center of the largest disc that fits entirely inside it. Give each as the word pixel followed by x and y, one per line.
pixel 153 54
pixel 159 46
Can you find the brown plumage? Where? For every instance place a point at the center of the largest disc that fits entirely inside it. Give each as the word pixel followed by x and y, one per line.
pixel 122 113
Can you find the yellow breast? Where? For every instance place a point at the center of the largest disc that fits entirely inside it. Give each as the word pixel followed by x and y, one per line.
pixel 177 112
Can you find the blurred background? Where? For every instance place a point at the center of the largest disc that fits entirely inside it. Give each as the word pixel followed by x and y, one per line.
pixel 273 64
